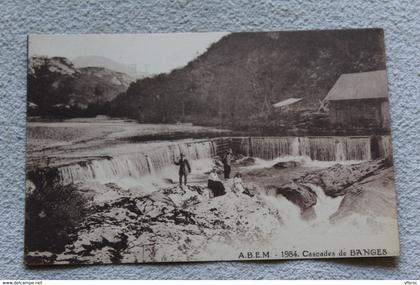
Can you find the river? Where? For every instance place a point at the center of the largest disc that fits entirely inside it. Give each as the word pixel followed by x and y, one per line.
pixel 100 157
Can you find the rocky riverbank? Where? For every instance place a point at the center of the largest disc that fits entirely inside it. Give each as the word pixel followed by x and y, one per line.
pixel 109 224
pixel 367 188
pixel 168 225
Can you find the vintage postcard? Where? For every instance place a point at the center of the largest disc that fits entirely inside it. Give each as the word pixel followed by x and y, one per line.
pixel 208 146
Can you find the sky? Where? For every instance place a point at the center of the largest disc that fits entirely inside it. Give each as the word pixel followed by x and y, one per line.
pixel 156 53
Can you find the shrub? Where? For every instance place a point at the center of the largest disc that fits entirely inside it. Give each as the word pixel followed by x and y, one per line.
pixel 52 213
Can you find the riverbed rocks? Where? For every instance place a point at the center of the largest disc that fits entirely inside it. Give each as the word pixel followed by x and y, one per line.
pixel 336 179
pixel 184 223
pixel 374 196
pixel 299 194
pixel 367 187
pixel 287 164
pixel 169 224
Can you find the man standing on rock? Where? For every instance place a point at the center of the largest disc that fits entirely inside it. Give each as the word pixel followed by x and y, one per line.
pixel 184 169
pixel 227 161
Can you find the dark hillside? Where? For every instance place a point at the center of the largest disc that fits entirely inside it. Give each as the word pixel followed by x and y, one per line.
pixel 237 80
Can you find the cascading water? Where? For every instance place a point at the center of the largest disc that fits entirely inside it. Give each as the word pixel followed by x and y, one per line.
pixel 134 165
pixel 386 146
pixel 304 232
pixel 311 233
pixel 325 206
pixel 295 147
pixel 289 212
pixel 317 148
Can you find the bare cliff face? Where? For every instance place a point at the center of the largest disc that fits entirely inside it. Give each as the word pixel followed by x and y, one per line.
pixel 100 61
pixel 55 84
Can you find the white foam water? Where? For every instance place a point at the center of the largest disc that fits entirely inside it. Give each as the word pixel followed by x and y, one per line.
pixel 324 208
pixel 135 166
pixel 310 151
pixel 303 160
pixel 325 205
pixel 301 234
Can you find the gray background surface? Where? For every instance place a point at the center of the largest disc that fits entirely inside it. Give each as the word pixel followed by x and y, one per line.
pixel 400 19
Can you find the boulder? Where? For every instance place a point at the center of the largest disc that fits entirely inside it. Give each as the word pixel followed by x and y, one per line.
pixel 336 179
pixel 300 195
pixel 287 164
pixel 169 224
pixel 373 196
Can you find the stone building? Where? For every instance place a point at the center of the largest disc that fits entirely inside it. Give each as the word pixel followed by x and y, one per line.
pixel 360 100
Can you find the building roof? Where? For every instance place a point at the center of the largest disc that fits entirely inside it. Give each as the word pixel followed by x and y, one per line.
pixel 363 85
pixel 32 105
pixel 286 102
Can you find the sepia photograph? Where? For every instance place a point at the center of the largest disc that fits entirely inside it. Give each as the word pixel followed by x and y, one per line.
pixel 187 147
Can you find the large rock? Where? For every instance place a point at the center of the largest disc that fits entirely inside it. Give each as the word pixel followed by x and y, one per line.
pixel 299 194
pixel 373 196
pixel 336 179
pixel 168 225
pixel 287 164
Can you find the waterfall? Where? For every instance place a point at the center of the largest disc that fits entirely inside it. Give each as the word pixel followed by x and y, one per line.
pixel 150 165
pixel 295 147
pixel 268 147
pixel 134 165
pixel 317 148
pixel 325 206
pixel 292 216
pixel 386 147
pixel 339 151
pixel 358 148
